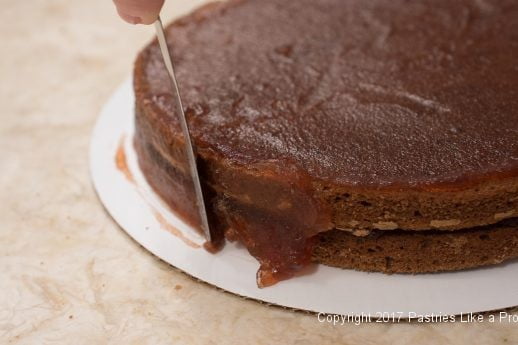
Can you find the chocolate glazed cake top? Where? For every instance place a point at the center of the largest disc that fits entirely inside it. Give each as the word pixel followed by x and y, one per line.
pixel 363 93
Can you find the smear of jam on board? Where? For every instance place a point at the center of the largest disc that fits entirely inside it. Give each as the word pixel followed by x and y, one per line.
pixel 122 165
pixel 165 225
pixel 121 161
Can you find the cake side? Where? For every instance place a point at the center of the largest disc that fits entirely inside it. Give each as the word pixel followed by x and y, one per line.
pixel 352 208
pixel 395 251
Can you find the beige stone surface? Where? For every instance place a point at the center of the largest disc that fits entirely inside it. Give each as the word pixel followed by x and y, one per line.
pixel 68 274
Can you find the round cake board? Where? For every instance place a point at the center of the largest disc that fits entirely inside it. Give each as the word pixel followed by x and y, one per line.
pixel 140 212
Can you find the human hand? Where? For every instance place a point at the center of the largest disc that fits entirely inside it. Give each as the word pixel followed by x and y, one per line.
pixel 139 11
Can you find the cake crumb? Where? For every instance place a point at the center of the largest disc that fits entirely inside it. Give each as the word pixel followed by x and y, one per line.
pixel 361 232
pixel 386 225
pixel 444 223
pixel 503 215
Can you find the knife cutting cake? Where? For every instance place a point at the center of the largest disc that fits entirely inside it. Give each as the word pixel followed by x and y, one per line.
pixel 370 135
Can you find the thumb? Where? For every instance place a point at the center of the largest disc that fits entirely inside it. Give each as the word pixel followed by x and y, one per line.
pixel 139 11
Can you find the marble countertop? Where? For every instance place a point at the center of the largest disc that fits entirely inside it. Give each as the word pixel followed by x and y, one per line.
pixel 68 273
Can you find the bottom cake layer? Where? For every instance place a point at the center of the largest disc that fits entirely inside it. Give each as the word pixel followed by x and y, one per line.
pixel 419 251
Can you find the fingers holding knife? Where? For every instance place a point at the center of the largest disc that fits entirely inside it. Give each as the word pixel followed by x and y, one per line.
pixel 139 11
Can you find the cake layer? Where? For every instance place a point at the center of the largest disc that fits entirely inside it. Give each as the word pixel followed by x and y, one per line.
pixel 422 252
pixel 349 208
pixel 472 173
pixel 377 94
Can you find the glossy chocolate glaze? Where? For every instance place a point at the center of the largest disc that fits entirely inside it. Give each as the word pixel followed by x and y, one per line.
pixel 362 93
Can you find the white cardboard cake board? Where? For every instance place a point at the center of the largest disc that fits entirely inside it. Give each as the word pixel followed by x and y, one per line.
pixel 328 290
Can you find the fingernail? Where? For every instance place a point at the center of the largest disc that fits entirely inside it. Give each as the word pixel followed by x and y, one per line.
pixel 131 19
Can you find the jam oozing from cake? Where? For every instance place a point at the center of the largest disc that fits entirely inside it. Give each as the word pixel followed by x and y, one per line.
pixel 276 219
pixel 283 246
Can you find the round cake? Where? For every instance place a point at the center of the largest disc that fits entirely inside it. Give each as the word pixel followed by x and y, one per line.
pixel 379 135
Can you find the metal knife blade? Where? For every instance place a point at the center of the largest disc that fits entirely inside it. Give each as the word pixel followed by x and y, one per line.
pixel 191 157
